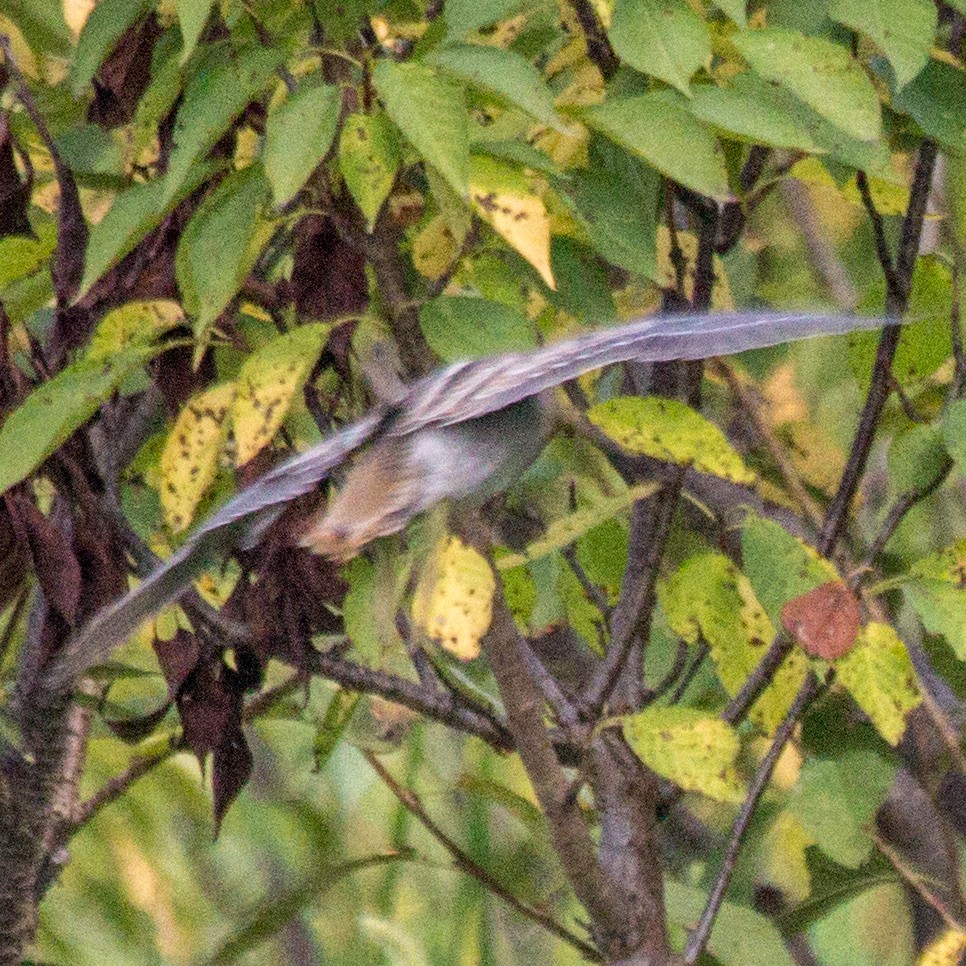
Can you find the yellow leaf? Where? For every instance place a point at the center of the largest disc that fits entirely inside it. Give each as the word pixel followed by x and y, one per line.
pixel 695 750
pixel 434 248
pixel 709 597
pixel 878 672
pixel 190 458
pixel 268 382
pixel 782 860
pixel 132 323
pixel 504 200
pixel 947 950
pixel 668 430
pixel 454 599
pixel 721 297
pixel 565 530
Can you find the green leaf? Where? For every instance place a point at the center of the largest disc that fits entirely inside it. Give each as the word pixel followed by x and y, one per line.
pixel 298 135
pixel 268 383
pixel 878 673
pixel 755 111
pixel 369 158
pixel 192 17
pixel 460 327
pixel 709 598
pixel 464 16
pixel 338 716
pixel 133 214
pixel 836 800
pixel 56 409
pixel 659 128
pixel 42 24
pixel 954 433
pixel 736 10
pixel 663 38
pixel 936 101
pixel 740 935
pixel 431 113
pixel 695 750
pixel 902 29
pixel 935 590
pixel 671 431
pixel 107 23
pixel 924 345
pixel 566 530
pixel 503 73
pixel 918 456
pixel 219 90
pixel 20 256
pixel 822 74
pixel 221 243
pixel 780 567
pixel 626 235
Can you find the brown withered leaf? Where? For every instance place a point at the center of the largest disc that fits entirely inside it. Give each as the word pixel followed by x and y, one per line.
pixel 210 705
pixel 14 554
pixel 124 76
pixel 55 564
pixel 101 563
pixel 177 658
pixel 825 621
pixel 328 274
pixel 14 191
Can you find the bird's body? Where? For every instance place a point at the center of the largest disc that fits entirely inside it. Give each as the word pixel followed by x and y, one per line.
pixel 467 426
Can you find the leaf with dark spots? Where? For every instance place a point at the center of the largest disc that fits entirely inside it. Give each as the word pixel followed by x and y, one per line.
pixel 231 769
pixel 136 729
pixel 14 191
pixel 328 274
pixel 177 658
pixel 55 564
pixel 825 621
pixel 124 76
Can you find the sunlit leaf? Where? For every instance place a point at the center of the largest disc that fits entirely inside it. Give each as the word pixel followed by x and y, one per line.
pixel 190 458
pixel 504 200
pixel 671 431
pixel 946 950
pixel 134 323
pixel 936 589
pixel 879 675
pixel 453 602
pixel 105 26
pixel 368 159
pixel 709 598
pixel 695 750
pixel 192 17
pixel 267 384
pixel 459 327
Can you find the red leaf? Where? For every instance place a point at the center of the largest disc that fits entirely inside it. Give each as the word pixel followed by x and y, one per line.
pixel 825 621
pixel 56 567
pixel 328 274
pixel 209 705
pixel 178 658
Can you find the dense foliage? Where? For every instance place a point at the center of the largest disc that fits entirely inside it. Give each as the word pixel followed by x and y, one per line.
pixel 700 666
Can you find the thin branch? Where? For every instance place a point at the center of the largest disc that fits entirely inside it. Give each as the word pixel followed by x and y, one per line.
pixel 594 594
pixel 412 803
pixel 758 680
pixel 702 932
pixel 751 408
pixel 699 657
pixel 598 46
pixel 878 233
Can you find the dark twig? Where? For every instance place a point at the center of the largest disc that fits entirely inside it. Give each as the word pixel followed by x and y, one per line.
pixel 669 679
pixel 598 46
pixel 412 803
pixel 699 657
pixel 702 932
pixel 758 680
pixel 594 594
pixel 878 233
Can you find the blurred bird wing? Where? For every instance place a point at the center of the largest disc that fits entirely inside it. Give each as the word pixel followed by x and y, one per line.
pixel 239 523
pixel 468 390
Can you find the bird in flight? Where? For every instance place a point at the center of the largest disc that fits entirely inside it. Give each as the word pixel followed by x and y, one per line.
pixel 460 430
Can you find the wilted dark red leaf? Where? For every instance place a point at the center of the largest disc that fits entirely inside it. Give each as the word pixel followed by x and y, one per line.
pixel 55 564
pixel 101 563
pixel 825 621
pixel 328 274
pixel 124 76
pixel 210 705
pixel 14 554
pixel 231 769
pixel 14 191
pixel 177 658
